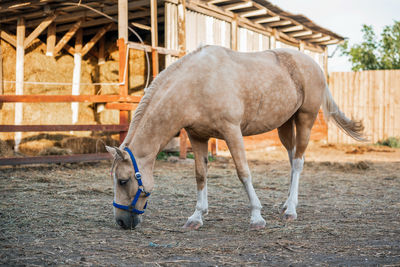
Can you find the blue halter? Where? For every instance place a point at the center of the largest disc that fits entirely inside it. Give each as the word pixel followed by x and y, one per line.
pixel 138 176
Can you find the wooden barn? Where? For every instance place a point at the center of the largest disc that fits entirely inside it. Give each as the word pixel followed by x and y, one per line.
pixel 78 67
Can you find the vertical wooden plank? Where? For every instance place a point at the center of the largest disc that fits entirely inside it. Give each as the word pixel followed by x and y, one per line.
pixel 234 33
pixel 102 58
pixel 76 79
pixel 123 19
pixel 154 36
pixel 123 88
pixel 182 27
pixel 1 74
pixel 182 49
pixel 325 62
pixel 183 144
pixel 19 78
pixel 122 39
pixel 273 39
pixel 51 39
pixel 214 147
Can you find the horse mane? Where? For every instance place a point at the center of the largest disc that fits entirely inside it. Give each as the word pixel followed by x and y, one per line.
pixel 149 93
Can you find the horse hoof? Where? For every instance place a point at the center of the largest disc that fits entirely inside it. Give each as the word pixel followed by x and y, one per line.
pixel 192 225
pixel 289 217
pixel 257 225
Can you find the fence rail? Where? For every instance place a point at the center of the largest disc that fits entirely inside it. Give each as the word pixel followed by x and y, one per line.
pixel 373 97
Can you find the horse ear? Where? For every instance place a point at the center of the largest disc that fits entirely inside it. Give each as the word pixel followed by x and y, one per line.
pixel 112 151
pixel 120 153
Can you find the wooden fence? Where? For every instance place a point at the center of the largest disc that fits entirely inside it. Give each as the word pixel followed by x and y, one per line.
pixel 373 97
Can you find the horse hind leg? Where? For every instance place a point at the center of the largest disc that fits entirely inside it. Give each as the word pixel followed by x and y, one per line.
pixel 200 150
pixel 304 122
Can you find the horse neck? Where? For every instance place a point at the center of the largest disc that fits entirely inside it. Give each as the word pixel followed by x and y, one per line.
pixel 157 127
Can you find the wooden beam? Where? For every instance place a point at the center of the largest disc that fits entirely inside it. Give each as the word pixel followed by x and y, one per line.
pixel 292 28
pixel 68 98
pixel 11 39
pixel 279 23
pixel 267 20
pixel 62 128
pixel 141 26
pixel 160 50
pixel 122 106
pixel 64 40
pixel 309 37
pixel 123 19
pixel 318 40
pixel 51 39
pixel 301 46
pixel 182 27
pixel 234 33
pixel 94 39
pixel 39 29
pixel 273 38
pixel 239 5
pixel 334 41
pixel 252 13
pixel 298 34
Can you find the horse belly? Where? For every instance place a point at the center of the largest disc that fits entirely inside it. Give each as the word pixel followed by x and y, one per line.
pixel 269 112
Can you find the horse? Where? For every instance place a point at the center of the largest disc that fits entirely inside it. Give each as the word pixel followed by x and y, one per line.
pixel 215 92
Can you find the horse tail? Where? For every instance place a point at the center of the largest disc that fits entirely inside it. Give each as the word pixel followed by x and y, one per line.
pixel 353 128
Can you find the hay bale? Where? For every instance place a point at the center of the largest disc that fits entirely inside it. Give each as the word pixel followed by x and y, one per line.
pixel 55 151
pixel 33 148
pixel 86 144
pixel 5 149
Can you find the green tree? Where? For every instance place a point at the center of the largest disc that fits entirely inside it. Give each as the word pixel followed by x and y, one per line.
pixel 374 54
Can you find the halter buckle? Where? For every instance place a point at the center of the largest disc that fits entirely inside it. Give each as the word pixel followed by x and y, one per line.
pixel 138 176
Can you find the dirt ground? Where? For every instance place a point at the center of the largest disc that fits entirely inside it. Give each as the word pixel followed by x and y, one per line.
pixel 348 214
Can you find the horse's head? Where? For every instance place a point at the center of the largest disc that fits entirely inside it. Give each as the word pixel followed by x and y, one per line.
pixel 130 190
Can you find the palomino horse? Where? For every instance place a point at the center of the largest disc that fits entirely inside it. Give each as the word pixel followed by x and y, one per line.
pixel 216 92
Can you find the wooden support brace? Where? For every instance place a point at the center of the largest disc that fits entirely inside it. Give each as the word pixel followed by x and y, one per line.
pixel 11 39
pixel 95 38
pixel 64 40
pixel 51 39
pixel 154 60
pixel 39 29
pixel 1 74
pixel 234 33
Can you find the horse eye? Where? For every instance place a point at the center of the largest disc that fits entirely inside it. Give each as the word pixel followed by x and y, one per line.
pixel 123 182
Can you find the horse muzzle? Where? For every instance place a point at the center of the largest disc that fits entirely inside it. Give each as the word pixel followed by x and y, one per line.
pixel 127 220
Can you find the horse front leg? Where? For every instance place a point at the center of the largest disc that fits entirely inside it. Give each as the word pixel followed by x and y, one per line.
pixel 234 139
pixel 200 150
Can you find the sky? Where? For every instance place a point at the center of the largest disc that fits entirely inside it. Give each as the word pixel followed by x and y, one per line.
pixel 345 17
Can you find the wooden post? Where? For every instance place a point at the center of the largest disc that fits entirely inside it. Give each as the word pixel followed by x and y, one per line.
pixel 182 144
pixel 301 46
pixel 123 88
pixel 102 58
pixel 182 52
pixel 122 38
pixel 51 39
pixel 76 79
pixel 273 39
pixel 234 33
pixel 182 27
pixel 1 74
pixel 154 37
pixel 19 77
pixel 214 147
pixel 326 64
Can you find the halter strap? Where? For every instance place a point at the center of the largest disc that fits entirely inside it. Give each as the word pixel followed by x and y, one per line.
pixel 138 176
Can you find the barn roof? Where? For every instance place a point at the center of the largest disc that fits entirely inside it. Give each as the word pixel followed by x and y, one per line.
pixel 258 14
